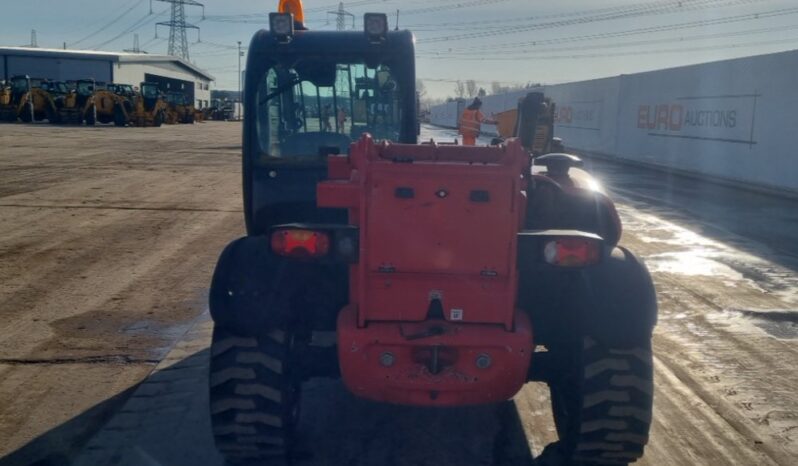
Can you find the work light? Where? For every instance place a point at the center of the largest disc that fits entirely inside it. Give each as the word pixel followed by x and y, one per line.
pixel 281 25
pixel 376 26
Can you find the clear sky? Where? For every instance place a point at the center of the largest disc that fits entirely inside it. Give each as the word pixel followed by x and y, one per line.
pixel 510 41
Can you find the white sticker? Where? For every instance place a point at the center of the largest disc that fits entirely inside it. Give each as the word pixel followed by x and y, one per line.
pixel 456 314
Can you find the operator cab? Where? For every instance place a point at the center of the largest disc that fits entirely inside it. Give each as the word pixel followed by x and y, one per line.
pixel 176 98
pixel 85 87
pixel 310 94
pixel 150 94
pixel 19 85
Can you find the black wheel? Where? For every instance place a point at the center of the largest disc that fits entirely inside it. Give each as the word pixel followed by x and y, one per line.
pixel 91 120
pixel 159 119
pixel 119 116
pixel 602 405
pixel 27 113
pixel 53 117
pixel 254 397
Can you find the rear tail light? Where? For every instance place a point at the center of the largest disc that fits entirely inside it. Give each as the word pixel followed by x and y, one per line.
pixel 300 243
pixel 572 252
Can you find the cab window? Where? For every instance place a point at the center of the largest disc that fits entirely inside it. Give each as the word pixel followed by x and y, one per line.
pixel 304 111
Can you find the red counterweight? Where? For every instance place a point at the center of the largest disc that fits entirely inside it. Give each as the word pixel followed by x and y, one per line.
pixel 432 317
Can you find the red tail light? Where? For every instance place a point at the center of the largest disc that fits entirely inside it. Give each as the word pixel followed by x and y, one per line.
pixel 572 252
pixel 300 243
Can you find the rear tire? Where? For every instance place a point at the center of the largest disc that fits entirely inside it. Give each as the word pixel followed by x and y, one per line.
pixel 90 119
pixel 254 397
pixel 602 407
pixel 53 117
pixel 119 116
pixel 27 114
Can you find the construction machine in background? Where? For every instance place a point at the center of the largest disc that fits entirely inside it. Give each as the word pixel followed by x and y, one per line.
pixel 11 93
pixel 179 110
pixel 24 99
pixel 149 109
pixel 76 106
pixel 532 121
pixel 124 104
pixel 221 110
pixel 107 106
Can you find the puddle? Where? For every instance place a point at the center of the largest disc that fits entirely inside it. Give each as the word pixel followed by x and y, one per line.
pixel 778 323
pixel 689 253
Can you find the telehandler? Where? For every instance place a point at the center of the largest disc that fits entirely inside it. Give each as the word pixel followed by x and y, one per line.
pixel 149 109
pixel 449 275
pixel 179 110
pixel 23 98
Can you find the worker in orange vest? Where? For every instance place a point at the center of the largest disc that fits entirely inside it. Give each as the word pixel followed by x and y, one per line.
pixel 471 122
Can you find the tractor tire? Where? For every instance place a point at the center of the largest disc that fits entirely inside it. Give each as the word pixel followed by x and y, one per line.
pixel 158 120
pixel 120 119
pixel 53 117
pixel 254 399
pixel 602 406
pixel 26 114
pixel 90 119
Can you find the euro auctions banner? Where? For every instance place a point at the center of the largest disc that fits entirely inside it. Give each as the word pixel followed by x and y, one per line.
pixel 725 119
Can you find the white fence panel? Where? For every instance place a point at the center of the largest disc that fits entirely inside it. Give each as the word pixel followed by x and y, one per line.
pixel 731 119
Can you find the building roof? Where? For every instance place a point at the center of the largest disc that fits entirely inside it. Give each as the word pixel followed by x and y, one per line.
pixel 121 57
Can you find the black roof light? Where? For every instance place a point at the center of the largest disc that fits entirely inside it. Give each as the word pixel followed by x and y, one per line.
pixel 281 25
pixel 376 26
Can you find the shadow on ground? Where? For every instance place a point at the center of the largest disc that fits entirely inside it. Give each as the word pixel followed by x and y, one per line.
pixel 165 421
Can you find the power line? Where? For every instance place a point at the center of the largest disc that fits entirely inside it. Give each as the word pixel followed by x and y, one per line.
pixel 638 43
pixel 501 48
pixel 149 18
pixel 108 25
pixel 656 8
pixel 500 23
pixel 633 53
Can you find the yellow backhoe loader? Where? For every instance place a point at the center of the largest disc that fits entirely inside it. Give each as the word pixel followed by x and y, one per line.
pixel 149 109
pixel 179 111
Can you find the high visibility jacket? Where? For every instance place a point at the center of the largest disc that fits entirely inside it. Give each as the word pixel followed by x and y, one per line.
pixel 471 122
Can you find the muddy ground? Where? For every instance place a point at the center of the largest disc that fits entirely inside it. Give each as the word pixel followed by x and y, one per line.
pixel 108 237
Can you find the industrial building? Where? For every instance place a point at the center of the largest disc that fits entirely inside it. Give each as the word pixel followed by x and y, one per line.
pixel 171 73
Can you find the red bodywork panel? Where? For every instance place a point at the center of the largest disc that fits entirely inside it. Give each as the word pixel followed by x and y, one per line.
pixel 408 381
pixel 437 224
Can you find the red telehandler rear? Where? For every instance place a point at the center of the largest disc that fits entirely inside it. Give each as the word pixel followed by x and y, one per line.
pixel 449 275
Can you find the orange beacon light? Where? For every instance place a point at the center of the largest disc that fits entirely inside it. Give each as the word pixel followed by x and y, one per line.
pixel 295 8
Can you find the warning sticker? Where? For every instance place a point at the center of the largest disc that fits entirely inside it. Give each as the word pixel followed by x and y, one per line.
pixel 456 314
